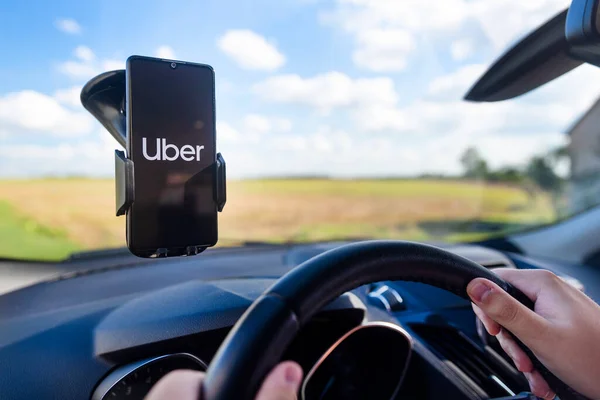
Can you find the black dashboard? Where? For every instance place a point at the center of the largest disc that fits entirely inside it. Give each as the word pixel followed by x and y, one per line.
pixel 108 319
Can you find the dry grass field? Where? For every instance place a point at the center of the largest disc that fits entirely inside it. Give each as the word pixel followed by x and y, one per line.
pixel 50 218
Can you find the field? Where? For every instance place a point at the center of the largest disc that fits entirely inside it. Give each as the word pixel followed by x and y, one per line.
pixel 50 218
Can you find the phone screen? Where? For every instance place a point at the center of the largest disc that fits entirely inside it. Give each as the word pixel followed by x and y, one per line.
pixel 172 143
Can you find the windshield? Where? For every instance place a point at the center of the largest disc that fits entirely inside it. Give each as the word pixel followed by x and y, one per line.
pixel 339 119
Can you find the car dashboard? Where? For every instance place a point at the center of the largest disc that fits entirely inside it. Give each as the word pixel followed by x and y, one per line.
pixel 109 325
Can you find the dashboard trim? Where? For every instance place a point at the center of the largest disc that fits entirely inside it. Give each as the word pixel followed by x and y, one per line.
pixel 502 385
pixel 112 379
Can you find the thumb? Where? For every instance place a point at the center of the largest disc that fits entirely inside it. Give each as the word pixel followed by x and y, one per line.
pixel 282 383
pixel 506 310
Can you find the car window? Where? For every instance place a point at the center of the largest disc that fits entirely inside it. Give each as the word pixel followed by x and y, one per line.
pixel 339 119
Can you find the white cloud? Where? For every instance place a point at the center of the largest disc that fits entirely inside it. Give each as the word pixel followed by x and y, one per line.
pixel 577 90
pixel 253 128
pixel 86 65
pixel 84 53
pixel 552 108
pixel 68 25
pixel 434 119
pixel 282 125
pixel 88 158
pixel 327 91
pixel 251 50
pixel 260 124
pixel 362 127
pixel 453 86
pixel 315 152
pixel 111 64
pixel 257 123
pixel 375 108
pixel 462 49
pixel 422 22
pixel 325 139
pixel 502 150
pixel 373 119
pixel 341 153
pixel 165 52
pixel 28 111
pixel 505 21
pixel 428 133
pixel 383 50
pixel 358 15
pixel 389 30
pixel 227 133
pixel 79 69
pixel 69 96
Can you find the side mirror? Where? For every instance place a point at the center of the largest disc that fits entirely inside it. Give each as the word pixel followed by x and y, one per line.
pixel 582 30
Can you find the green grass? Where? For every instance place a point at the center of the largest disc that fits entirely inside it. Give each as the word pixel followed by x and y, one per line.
pixel 24 238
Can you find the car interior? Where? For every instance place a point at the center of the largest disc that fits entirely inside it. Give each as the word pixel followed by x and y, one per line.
pixel 375 319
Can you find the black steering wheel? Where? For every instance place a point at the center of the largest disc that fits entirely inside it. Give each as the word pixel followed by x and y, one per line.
pixel 258 340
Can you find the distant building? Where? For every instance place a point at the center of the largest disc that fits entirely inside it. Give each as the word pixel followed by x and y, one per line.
pixel 584 155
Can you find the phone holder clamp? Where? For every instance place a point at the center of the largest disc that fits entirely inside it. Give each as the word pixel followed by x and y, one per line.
pixel 124 182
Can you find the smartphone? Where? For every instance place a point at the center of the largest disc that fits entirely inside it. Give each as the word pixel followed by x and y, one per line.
pixel 171 139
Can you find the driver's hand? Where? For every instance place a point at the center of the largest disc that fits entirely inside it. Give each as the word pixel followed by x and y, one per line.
pixel 282 383
pixel 563 332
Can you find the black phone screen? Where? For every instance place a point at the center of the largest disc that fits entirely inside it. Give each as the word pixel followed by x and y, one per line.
pixel 172 143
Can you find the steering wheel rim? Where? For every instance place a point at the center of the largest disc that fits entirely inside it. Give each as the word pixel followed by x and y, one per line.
pixel 259 338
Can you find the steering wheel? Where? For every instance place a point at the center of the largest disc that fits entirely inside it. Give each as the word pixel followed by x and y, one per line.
pixel 258 340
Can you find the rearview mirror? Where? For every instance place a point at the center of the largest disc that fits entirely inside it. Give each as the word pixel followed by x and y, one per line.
pixel 582 30
pixel 560 45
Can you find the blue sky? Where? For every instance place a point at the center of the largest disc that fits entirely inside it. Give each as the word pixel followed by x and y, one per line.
pixel 336 87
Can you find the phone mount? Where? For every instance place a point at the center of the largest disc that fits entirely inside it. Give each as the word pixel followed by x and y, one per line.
pixel 124 173
pixel 104 97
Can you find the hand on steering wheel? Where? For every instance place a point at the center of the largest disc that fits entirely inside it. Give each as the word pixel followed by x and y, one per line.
pixel 282 383
pixel 562 330
pixel 259 338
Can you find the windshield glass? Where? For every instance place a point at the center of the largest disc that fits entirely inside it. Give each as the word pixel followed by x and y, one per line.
pixel 339 119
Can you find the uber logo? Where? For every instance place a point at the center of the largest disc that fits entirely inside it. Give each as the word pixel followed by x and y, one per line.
pixel 187 152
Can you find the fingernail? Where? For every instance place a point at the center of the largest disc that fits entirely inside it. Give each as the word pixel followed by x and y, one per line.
pixel 549 395
pixel 532 383
pixel 293 375
pixel 478 290
pixel 529 378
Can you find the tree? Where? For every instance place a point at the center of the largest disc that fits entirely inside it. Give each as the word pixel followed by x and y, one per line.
pixel 507 175
pixel 473 164
pixel 540 171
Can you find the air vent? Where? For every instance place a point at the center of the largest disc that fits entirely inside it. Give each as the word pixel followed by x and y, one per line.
pixel 486 371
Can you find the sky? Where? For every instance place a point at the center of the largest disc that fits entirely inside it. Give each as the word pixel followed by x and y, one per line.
pixel 343 88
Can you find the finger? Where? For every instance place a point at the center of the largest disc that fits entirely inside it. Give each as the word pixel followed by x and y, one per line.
pixel 529 281
pixel 282 383
pixel 490 325
pixel 180 385
pixel 539 386
pixel 507 311
pixel 510 347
